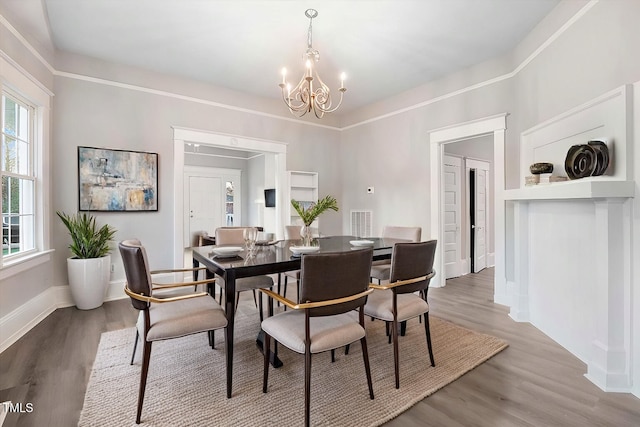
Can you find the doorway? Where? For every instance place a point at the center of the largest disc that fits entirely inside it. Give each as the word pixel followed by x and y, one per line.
pixel 277 152
pixel 494 126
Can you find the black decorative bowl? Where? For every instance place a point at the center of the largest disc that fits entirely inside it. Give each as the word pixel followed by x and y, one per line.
pixel 538 168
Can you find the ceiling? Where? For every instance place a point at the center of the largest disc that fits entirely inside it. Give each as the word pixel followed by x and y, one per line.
pixel 384 47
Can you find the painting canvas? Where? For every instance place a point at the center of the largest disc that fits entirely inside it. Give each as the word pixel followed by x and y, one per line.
pixel 117 180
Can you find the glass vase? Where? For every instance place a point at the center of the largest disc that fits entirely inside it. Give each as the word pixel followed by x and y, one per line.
pixel 306 234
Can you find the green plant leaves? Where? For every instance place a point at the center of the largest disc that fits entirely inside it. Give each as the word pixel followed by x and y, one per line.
pixel 87 240
pixel 309 214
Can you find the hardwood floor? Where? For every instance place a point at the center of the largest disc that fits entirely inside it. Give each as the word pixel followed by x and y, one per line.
pixel 534 382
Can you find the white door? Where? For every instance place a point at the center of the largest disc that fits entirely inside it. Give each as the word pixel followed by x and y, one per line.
pixel 480 229
pixel 206 205
pixel 211 199
pixel 452 210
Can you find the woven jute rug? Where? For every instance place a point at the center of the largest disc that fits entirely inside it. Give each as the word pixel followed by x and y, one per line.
pixel 186 384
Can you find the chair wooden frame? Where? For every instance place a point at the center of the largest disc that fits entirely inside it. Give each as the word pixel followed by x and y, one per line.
pixel 411 272
pixel 307 306
pixel 161 286
pixel 394 323
pixel 141 276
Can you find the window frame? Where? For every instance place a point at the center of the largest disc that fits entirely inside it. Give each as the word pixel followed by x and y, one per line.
pixel 22 86
pixel 29 175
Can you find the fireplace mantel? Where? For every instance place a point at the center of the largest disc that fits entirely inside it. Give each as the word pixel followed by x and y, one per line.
pixel 586 188
pixel 569 262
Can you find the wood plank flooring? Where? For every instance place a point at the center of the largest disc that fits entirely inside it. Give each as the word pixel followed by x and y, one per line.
pixel 534 382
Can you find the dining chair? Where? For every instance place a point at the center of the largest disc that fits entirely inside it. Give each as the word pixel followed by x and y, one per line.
pixel 163 318
pixel 380 269
pixel 235 236
pixel 331 286
pixel 411 271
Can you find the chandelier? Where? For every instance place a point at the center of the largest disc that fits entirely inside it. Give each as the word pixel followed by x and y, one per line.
pixel 307 96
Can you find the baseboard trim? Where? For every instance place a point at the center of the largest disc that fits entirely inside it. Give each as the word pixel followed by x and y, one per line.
pixel 24 318
pixel 21 320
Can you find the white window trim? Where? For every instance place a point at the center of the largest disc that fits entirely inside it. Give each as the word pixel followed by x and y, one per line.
pixel 17 79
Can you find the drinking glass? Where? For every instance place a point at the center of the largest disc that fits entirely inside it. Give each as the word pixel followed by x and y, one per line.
pixel 250 237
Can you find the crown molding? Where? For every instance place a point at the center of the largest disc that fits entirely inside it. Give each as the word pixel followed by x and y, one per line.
pixel 470 88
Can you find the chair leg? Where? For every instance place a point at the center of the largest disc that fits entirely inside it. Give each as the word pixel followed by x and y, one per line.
pixel 307 386
pixel 255 301
pixel 135 345
pixel 146 355
pixel 260 306
pixel 212 338
pixel 396 362
pixel 285 290
pixel 346 349
pixel 367 367
pixel 279 287
pixel 428 333
pixel 403 328
pixel 333 355
pixel 265 350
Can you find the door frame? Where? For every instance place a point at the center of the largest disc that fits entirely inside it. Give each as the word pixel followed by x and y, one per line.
pixel 492 125
pixel 486 166
pixel 232 142
pixel 458 262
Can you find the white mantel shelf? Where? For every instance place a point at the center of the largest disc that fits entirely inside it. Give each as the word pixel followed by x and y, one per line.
pixel 585 188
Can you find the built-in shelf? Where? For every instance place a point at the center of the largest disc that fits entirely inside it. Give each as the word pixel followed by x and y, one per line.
pixel 586 188
pixel 303 187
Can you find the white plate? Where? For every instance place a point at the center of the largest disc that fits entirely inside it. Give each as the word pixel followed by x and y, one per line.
pixel 298 250
pixel 227 251
pixel 361 242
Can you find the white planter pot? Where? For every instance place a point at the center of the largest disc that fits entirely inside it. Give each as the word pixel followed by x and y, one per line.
pixel 89 280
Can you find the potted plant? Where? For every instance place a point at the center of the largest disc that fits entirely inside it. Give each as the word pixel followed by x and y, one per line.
pixel 309 213
pixel 90 266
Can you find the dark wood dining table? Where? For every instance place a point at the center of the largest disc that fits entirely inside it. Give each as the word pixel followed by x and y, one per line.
pixel 270 259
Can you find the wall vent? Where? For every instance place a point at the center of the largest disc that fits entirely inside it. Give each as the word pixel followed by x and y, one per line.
pixel 361 223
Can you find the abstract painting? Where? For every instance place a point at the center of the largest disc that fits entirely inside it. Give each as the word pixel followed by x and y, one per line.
pixel 117 180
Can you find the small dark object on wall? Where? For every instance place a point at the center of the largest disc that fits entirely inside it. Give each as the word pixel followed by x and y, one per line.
pixel 270 198
pixel 538 168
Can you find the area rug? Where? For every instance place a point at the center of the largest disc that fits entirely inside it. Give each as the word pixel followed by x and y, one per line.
pixel 186 384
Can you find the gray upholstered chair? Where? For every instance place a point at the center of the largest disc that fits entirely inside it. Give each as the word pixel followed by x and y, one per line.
pixel 235 236
pixel 380 269
pixel 411 271
pixel 167 317
pixel 331 286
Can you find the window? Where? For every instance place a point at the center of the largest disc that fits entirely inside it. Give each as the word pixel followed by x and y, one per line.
pixel 24 170
pixel 229 204
pixel 18 177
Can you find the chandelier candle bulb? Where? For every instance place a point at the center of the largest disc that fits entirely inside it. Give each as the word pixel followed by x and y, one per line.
pixel 284 75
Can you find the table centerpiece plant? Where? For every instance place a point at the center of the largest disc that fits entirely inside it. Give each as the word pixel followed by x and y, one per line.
pixel 309 213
